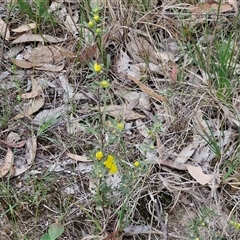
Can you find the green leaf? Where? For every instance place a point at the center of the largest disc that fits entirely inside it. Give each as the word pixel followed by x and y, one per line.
pixel 42 7
pixel 55 230
pixel 46 237
pixel 26 8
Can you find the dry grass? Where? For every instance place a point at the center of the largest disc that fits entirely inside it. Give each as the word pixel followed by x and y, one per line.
pixel 198 95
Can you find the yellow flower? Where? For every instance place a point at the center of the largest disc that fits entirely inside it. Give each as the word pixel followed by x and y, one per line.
pixel 137 164
pixel 91 24
pixel 96 17
pixel 104 84
pixel 109 162
pixel 99 155
pixel 113 169
pixel 120 126
pixel 97 67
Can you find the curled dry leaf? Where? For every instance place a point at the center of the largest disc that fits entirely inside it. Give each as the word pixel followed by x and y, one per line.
pixel 198 175
pixel 15 145
pixel 4 30
pixel 36 90
pixel 7 163
pixel 78 157
pixel 35 105
pixel 25 28
pixel 69 91
pixel 31 148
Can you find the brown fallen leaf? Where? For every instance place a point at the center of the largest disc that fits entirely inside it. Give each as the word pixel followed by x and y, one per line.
pixel 88 54
pixel 211 6
pixel 140 49
pixel 24 64
pixel 234 3
pixel 148 91
pixel 31 148
pixel 47 54
pixel 198 175
pixel 78 157
pixel 36 90
pixel 29 37
pixel 14 145
pixel 7 163
pixel 24 28
pixel 122 112
pixel 36 104
pixel 51 67
pixel 167 163
pixel 4 30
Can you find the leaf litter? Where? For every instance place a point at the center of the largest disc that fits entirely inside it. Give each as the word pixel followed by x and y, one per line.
pixel 144 63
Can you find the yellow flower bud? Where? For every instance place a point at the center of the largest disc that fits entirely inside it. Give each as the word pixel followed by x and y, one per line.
pixel 120 126
pixel 97 68
pixel 91 24
pixel 96 17
pixel 99 155
pixel 98 31
pixel 104 84
pixel 137 164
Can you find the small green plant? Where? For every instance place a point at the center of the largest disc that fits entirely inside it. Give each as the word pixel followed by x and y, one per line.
pixel 109 155
pixel 36 11
pixel 203 221
pixel 211 139
pixel 54 231
pixel 219 64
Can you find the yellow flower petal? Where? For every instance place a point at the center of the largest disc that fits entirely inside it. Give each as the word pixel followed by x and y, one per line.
pixel 113 169
pixel 109 162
